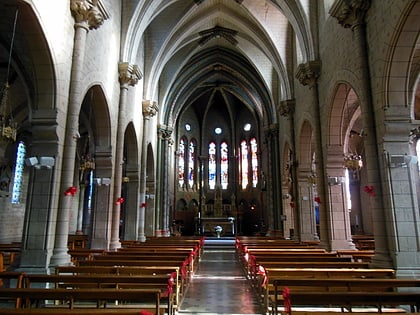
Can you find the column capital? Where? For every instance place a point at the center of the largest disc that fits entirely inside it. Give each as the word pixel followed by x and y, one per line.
pixel 350 13
pixel 287 107
pixel 150 108
pixel 308 72
pixel 165 133
pixel 92 12
pixel 128 74
pixel 271 131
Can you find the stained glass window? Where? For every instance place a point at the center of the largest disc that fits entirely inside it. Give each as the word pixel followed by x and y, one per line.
pixel 224 165
pixel 254 162
pixel 212 165
pixel 181 163
pixel 244 165
pixel 191 163
pixel 18 177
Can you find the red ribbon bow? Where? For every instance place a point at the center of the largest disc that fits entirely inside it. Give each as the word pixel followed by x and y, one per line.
pixel 119 201
pixel 369 190
pixel 287 302
pixel 143 205
pixel 71 191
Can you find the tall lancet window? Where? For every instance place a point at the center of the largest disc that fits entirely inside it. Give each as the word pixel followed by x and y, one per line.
pixel 181 163
pixel 212 165
pixel 254 161
pixel 191 163
pixel 224 165
pixel 244 165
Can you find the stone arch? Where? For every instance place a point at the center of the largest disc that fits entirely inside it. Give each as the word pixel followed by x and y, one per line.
pixel 130 185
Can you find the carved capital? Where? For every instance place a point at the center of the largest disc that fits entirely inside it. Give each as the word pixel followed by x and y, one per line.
pixel 271 131
pixel 165 133
pixel 308 73
pixel 350 13
pixel 149 108
pixel 90 11
pixel 128 74
pixel 287 108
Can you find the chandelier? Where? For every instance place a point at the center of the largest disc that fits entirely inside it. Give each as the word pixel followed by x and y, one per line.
pixel 353 163
pixel 8 126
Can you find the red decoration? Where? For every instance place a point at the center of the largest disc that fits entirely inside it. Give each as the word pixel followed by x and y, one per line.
pixel 119 201
pixel 292 205
pixel 287 302
pixel 370 190
pixel 71 191
pixel 143 205
pixel 317 199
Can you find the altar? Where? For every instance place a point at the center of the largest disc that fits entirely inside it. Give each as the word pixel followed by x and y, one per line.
pixel 208 225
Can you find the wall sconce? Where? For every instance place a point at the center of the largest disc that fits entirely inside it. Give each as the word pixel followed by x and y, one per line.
pixel 402 160
pixel 102 181
pixel 126 179
pixel 333 181
pixel 42 161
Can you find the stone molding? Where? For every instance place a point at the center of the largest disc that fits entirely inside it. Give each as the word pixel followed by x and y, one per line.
pixel 91 11
pixel 308 73
pixel 287 108
pixel 150 108
pixel 128 74
pixel 350 13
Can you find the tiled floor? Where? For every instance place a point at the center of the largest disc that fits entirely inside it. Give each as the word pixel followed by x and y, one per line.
pixel 219 286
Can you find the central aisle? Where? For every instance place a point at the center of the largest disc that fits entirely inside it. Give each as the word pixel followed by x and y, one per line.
pixel 219 285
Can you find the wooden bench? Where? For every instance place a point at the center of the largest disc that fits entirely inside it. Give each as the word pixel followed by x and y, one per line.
pixel 165 283
pixel 134 271
pixel 138 298
pixel 377 285
pixel 74 311
pixel 264 282
pixel 77 241
pixel 348 300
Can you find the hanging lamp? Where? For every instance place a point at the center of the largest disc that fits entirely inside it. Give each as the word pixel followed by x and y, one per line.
pixel 8 126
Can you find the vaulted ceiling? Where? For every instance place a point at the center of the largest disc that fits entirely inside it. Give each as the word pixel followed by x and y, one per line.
pixel 244 50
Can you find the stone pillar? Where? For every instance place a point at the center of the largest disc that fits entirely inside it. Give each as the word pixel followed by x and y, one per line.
pixel 129 75
pixel 275 223
pixel 88 15
pixel 308 74
pixel 162 182
pixel 38 237
pixel 289 194
pixel 352 15
pixel 149 110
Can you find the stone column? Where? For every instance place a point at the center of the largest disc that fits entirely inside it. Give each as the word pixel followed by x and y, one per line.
pixel 149 110
pixel 352 15
pixel 88 15
pixel 287 109
pixel 129 75
pixel 274 203
pixel 162 182
pixel 308 74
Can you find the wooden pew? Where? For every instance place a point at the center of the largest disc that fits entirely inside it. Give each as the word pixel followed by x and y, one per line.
pixel 132 271
pixel 164 282
pixel 74 311
pixel 11 280
pixel 8 253
pixel 348 300
pixel 138 298
pixel 77 241
pixel 264 283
